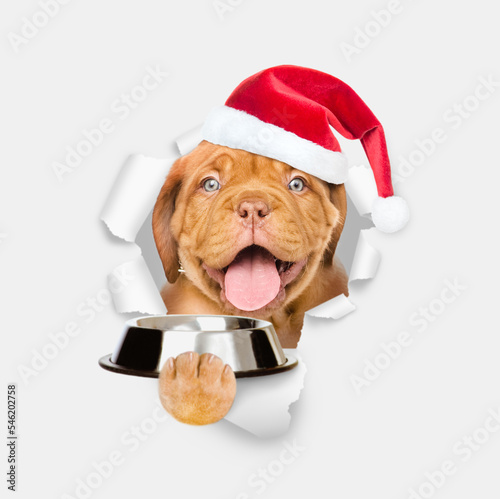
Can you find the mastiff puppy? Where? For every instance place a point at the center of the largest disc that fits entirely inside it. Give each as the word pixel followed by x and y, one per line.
pixel 241 234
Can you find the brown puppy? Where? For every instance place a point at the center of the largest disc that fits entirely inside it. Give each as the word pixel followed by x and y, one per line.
pixel 254 236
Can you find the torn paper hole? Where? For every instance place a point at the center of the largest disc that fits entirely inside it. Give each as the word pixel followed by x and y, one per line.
pixel 261 405
pixel 135 192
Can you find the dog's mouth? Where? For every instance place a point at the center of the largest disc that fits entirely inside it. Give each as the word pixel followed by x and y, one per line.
pixel 255 279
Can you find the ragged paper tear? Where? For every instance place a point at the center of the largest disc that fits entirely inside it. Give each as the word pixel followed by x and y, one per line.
pixel 261 404
pixel 366 259
pixel 333 309
pixel 361 188
pixel 134 194
pixel 128 205
pixel 189 140
pixel 137 292
pixel 364 266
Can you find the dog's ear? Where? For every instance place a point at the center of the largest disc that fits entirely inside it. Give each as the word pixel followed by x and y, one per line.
pixel 163 211
pixel 338 199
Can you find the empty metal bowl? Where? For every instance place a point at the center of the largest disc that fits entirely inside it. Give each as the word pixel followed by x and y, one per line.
pixel 250 346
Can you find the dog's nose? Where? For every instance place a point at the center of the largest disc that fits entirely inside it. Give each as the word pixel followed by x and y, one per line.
pixel 253 209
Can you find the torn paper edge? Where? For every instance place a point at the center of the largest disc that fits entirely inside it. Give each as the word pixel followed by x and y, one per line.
pixel 276 392
pixel 364 266
pixel 366 259
pixel 362 190
pixel 133 289
pixel 333 309
pixel 129 203
pixel 134 194
pixel 189 140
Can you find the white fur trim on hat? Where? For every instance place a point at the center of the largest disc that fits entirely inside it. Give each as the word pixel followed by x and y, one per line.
pixel 390 214
pixel 233 128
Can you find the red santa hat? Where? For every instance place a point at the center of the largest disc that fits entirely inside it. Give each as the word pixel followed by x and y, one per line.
pixel 287 113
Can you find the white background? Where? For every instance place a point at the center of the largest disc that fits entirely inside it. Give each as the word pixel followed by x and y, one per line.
pixel 55 253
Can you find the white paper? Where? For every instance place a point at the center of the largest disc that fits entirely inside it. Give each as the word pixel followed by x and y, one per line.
pixel 138 292
pixel 134 194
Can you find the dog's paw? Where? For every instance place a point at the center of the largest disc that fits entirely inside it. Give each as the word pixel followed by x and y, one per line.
pixel 197 389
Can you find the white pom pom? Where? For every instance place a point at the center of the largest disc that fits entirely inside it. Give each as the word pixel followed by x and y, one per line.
pixel 390 214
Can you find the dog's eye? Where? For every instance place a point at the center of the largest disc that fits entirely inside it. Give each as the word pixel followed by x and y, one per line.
pixel 296 185
pixel 211 185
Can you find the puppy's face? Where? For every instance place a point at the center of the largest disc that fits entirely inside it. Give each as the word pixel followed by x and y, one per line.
pixel 250 232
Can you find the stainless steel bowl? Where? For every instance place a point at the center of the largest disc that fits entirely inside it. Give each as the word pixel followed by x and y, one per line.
pixel 250 346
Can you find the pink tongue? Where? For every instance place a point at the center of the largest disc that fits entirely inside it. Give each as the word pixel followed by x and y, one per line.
pixel 252 280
